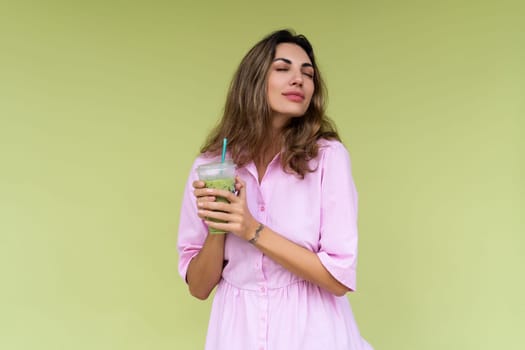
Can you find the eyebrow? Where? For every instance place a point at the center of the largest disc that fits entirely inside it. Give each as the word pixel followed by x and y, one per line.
pixel 306 64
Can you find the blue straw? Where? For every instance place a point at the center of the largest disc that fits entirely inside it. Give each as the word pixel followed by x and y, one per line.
pixel 224 143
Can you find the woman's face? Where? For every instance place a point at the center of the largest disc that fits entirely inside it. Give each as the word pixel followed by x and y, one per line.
pixel 290 82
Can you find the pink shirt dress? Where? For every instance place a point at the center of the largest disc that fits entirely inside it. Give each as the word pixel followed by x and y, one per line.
pixel 260 305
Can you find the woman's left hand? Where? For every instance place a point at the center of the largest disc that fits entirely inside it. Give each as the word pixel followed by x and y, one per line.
pixel 236 214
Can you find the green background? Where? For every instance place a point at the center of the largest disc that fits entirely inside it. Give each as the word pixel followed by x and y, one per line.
pixel 104 104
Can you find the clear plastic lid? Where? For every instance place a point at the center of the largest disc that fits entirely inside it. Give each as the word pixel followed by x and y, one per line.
pixel 217 170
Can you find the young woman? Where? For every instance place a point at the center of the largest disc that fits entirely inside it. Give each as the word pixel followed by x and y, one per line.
pixel 290 253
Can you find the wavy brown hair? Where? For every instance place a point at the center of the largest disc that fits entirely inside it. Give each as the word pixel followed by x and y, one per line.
pixel 246 120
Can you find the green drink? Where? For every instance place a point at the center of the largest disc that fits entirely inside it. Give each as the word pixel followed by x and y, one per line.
pixel 221 184
pixel 220 176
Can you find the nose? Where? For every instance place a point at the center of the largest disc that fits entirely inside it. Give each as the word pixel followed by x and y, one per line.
pixel 297 79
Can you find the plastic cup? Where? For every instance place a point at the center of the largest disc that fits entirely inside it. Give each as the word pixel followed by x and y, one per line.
pixel 219 175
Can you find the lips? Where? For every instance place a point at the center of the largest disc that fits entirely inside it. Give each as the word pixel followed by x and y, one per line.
pixel 295 96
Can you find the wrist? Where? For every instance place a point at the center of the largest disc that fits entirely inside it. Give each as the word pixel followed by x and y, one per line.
pixel 215 238
pixel 256 233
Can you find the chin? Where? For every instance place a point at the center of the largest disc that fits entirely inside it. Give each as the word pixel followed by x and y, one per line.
pixel 293 113
pixel 289 114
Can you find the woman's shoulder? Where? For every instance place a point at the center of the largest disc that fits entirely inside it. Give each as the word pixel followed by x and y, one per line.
pixel 331 146
pixel 333 155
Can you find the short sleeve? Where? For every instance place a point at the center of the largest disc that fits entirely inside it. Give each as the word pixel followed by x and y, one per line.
pixel 192 230
pixel 338 234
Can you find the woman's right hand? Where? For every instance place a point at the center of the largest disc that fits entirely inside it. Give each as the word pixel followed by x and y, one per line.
pixel 205 269
pixel 199 190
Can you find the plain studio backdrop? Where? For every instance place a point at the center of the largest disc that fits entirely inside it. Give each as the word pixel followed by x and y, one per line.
pixel 104 104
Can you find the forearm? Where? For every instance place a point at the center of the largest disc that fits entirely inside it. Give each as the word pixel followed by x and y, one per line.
pixel 205 269
pixel 298 260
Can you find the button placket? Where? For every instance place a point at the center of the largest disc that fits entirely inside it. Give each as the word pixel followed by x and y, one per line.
pixel 262 296
pixel 262 283
pixel 263 318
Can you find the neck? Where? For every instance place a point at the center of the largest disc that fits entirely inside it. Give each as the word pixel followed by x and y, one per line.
pixel 279 121
pixel 273 142
pixel 269 150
